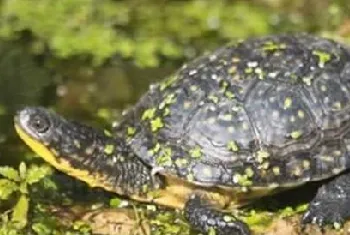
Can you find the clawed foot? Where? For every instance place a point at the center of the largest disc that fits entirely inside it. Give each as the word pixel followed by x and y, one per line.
pixel 331 204
pixel 322 215
pixel 204 218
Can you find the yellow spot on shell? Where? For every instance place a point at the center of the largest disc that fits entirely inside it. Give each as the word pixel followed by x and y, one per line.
pixel 232 146
pixel 190 177
pixel 288 103
pixel 187 105
pixel 306 164
pixel 248 70
pixel 166 112
pixel 232 70
pixel 193 88
pixel 164 158
pixel 307 80
pixel 211 120
pixel 326 158
pixel 89 150
pixel 265 165
pixel 337 153
pixel 229 94
pixel 272 46
pixel 181 162
pixel 235 59
pixel 156 124
pixel 261 155
pixel 131 131
pixel 148 114
pixel 207 171
pixel 107 133
pixel 297 171
pixel 76 143
pixel 214 99
pixel 168 82
pixel 228 218
pixel 224 85
pixel 155 149
pixel 226 117
pixel 296 134
pixel 337 105
pixel 276 170
pixel 292 118
pixel 108 149
pixel 170 99
pixel 323 57
pixel 245 126
pixel 196 152
pixel 301 114
pixel 242 180
pixel 249 172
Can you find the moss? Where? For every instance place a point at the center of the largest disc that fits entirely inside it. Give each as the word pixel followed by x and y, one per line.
pixel 108 149
pixel 271 46
pixel 232 146
pixel 258 219
pixel 171 223
pixel 323 57
pixel 196 152
pixel 131 131
pixel 148 114
pixel 296 134
pixel 156 124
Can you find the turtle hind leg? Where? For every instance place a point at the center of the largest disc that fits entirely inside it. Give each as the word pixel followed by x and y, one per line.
pixel 204 218
pixel 331 203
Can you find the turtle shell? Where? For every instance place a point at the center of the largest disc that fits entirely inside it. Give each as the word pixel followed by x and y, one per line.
pixel 268 111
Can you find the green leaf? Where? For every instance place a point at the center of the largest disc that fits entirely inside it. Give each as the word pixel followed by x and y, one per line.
pixel 81 226
pixel 22 170
pixel 7 187
pixel 41 228
pixel 48 183
pixel 211 231
pixel 20 211
pixel 23 187
pixel 36 173
pixel 10 173
pixel 114 202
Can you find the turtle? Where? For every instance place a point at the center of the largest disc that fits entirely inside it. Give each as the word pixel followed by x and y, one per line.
pixel 252 118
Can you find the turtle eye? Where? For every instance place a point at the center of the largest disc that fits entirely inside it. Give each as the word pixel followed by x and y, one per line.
pixel 40 124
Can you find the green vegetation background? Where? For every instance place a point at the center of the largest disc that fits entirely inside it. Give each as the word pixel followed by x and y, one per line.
pixel 79 56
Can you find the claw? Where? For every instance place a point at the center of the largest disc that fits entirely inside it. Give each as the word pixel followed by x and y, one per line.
pixel 306 218
pixel 318 221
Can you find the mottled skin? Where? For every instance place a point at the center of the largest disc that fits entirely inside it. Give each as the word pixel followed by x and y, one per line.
pixel 247 120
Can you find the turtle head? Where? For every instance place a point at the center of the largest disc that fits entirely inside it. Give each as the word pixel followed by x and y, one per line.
pixel 67 145
pixel 83 152
pixel 38 126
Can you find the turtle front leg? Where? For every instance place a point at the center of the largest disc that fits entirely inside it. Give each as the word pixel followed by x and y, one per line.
pixel 205 218
pixel 331 203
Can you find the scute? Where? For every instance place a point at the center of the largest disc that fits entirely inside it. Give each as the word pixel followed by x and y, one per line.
pixel 280 114
pixel 265 112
